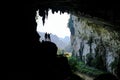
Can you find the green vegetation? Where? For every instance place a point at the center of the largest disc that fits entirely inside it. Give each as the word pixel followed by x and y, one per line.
pixel 73 63
pixel 89 59
pixel 82 67
pixel 95 62
pixel 114 64
pixel 60 52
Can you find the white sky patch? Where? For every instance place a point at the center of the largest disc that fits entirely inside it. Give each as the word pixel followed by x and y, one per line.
pixel 55 24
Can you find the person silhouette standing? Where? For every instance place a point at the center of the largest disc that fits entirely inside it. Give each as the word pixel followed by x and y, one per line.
pixel 46 36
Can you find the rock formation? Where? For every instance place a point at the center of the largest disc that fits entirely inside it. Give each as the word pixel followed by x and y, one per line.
pixel 94 43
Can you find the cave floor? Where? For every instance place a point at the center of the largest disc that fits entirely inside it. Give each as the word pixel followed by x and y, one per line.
pixel 84 76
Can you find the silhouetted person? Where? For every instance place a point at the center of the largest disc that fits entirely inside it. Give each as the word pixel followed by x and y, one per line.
pixel 45 36
pixel 106 76
pixel 48 36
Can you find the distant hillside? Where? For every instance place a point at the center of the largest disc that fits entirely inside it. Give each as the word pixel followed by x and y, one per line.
pixel 66 39
pixel 61 43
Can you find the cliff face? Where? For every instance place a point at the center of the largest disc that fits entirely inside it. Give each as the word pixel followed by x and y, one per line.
pixel 94 43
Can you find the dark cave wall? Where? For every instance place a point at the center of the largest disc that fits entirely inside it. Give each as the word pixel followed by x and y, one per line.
pixel 21 39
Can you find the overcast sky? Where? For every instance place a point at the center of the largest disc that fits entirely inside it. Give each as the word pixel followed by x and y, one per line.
pixel 55 24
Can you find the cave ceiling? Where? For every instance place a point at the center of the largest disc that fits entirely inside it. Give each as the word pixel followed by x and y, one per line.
pixel 106 10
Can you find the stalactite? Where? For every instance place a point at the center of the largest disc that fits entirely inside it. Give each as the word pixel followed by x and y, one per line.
pixel 52 11
pixel 57 11
pixel 60 12
pixel 43 19
pixel 63 12
pixel 46 13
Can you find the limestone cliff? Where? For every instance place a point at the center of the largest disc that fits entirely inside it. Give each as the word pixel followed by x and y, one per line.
pixel 94 43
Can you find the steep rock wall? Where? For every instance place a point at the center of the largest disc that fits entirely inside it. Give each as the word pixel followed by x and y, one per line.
pixel 94 43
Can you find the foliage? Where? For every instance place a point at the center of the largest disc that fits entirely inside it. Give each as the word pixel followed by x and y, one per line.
pixel 114 64
pixel 60 52
pixel 66 54
pixel 63 53
pixel 95 62
pixel 73 62
pixel 89 59
pixel 83 68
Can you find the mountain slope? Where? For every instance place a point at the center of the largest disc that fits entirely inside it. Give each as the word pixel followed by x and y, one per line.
pixel 60 42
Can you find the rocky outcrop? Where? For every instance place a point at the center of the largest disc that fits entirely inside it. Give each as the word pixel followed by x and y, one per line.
pixel 94 43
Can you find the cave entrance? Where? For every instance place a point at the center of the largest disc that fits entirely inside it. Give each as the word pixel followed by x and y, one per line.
pixel 92 42
pixel 57 26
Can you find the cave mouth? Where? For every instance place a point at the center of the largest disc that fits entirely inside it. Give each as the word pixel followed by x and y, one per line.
pixel 54 23
pixel 101 34
pixel 90 38
pixel 57 26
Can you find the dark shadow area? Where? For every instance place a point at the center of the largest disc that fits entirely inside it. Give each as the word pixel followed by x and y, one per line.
pixel 53 67
pixel 19 75
pixel 107 76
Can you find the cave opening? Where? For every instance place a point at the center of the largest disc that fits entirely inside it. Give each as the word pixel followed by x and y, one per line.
pixel 54 23
pixel 93 42
pixel 57 26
